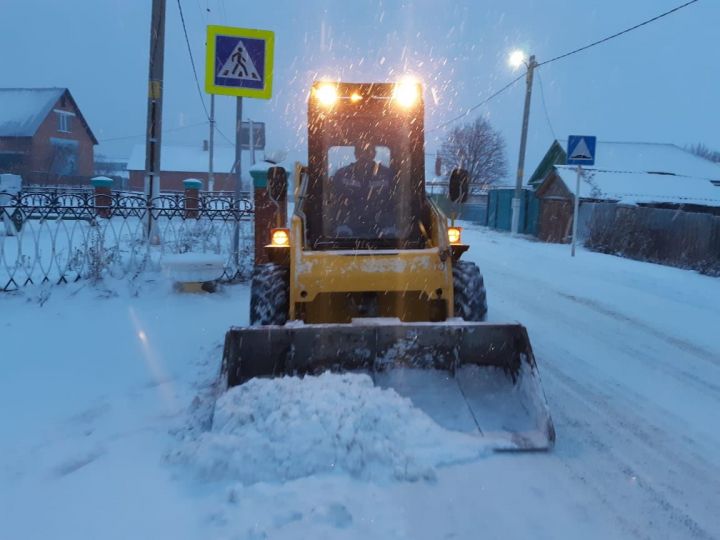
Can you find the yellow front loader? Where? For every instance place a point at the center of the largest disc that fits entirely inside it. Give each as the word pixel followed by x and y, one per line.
pixel 369 277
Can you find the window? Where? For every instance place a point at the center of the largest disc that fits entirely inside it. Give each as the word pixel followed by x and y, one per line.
pixel 64 160
pixel 359 199
pixel 342 156
pixel 11 161
pixel 64 121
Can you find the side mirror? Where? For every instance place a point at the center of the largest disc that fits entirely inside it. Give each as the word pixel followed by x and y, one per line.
pixel 277 183
pixel 459 185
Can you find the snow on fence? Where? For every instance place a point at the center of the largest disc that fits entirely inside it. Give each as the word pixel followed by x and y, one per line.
pixel 664 236
pixel 60 236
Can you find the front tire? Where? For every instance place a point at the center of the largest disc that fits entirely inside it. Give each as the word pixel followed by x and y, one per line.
pixel 470 297
pixel 269 295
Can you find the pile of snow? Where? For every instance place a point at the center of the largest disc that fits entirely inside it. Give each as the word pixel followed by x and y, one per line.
pixel 275 430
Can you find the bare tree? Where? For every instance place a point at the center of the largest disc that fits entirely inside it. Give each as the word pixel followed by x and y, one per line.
pixel 479 148
pixel 703 151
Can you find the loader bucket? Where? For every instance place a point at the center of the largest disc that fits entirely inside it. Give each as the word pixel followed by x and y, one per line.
pixel 474 377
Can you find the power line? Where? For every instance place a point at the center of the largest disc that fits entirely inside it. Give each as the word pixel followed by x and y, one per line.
pixel 223 135
pixel 565 55
pixel 608 38
pixel 124 137
pixel 483 102
pixel 192 60
pixel 547 116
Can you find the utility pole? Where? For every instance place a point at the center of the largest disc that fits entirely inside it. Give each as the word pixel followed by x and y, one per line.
pixel 211 177
pixel 154 111
pixel 531 65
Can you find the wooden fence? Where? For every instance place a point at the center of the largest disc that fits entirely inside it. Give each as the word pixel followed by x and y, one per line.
pixel 671 237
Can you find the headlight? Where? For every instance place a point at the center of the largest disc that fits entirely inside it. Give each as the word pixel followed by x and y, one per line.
pixel 280 238
pixel 326 94
pixel 406 93
pixel 454 234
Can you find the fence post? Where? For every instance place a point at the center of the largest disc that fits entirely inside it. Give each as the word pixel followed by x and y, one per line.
pixel 103 195
pixel 192 197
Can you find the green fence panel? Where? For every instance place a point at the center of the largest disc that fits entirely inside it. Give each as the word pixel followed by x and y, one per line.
pixel 499 211
pixel 532 213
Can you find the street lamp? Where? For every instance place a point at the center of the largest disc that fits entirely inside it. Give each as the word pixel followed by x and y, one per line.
pixel 516 59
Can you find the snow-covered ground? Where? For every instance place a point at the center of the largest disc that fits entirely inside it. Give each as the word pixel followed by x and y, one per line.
pixel 105 394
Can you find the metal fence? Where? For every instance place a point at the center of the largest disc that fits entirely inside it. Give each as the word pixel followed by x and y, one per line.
pixel 59 236
pixel 671 237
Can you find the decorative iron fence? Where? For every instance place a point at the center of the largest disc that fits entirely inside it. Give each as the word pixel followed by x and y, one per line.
pixel 60 236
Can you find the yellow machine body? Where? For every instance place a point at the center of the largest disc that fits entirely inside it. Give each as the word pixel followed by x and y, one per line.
pixel 400 306
pixel 412 284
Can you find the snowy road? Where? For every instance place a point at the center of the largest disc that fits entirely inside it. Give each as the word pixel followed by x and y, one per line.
pixel 630 360
pixel 628 352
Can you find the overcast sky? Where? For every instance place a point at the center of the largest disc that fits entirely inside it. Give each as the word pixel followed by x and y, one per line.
pixel 659 83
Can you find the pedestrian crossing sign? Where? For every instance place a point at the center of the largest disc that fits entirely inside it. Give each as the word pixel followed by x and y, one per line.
pixel 239 62
pixel 581 150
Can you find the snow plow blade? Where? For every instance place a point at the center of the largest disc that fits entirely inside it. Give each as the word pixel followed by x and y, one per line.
pixel 474 377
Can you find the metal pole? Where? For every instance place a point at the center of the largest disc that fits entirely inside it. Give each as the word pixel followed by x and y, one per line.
pixel 238 147
pixel 211 177
pixel 251 129
pixel 238 180
pixel 576 210
pixel 154 111
pixel 523 141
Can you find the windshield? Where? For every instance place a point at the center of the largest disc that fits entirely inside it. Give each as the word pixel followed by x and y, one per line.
pixel 360 193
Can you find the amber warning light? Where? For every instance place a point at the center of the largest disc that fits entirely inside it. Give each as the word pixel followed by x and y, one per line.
pixel 279 238
pixel 454 234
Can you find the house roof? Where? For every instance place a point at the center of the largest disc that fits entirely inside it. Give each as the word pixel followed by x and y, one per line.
pixel 190 159
pixel 641 187
pixel 23 110
pixel 634 157
pixel 554 156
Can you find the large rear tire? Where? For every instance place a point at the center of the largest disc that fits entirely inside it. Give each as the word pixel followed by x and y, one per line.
pixel 269 294
pixel 470 298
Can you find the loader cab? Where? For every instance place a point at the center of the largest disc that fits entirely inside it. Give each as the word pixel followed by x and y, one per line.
pixel 366 181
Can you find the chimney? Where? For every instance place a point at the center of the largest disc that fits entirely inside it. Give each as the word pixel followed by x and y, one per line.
pixel 205 145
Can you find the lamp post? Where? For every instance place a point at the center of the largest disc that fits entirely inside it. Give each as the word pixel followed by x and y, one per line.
pixel 517 58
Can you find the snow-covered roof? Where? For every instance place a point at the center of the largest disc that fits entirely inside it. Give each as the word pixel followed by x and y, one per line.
pixel 185 159
pixel 651 157
pixel 641 187
pixel 22 110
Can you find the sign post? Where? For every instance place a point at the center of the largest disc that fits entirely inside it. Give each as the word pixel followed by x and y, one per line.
pixel 239 63
pixel 580 151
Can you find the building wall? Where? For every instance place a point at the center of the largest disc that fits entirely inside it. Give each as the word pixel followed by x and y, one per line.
pixel 44 157
pixel 15 145
pixel 555 220
pixel 173 181
pixel 556 210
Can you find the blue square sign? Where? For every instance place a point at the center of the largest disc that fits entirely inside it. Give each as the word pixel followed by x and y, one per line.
pixel 239 62
pixel 581 150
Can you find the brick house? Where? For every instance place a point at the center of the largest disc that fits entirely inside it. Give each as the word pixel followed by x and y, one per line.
pixel 178 163
pixel 44 136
